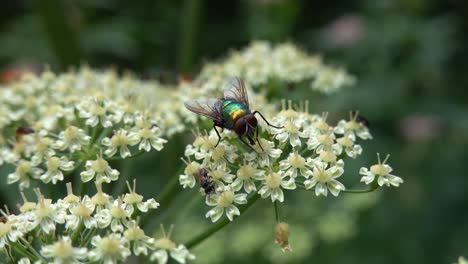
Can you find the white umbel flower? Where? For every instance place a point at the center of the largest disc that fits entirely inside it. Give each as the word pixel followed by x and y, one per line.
pixel 119 141
pixel 100 169
pixel 63 252
pixel 381 171
pixel 274 183
pixel 113 248
pixel 324 179
pixel 224 202
pixel 55 166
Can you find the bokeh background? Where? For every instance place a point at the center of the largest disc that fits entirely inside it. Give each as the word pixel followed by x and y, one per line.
pixel 410 59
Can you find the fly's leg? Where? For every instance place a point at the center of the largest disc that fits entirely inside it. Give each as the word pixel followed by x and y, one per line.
pixel 264 119
pixel 217 133
pixel 247 144
pixel 256 138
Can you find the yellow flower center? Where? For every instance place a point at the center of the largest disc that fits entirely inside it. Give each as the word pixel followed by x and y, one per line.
pixel 245 172
pixel 63 250
pixel 351 125
pixel 117 212
pixel 134 233
pixel 345 142
pixel 325 140
pixel 71 133
pixel 82 210
pixel 328 156
pixel 23 168
pixel 225 199
pixel 379 169
pixel 100 165
pixel 5 229
pixel 296 161
pixel 53 163
pixel 321 176
pixel 119 139
pixel 43 208
pixel 273 180
pixel 110 246
pixel 192 168
pixel 133 198
pixel 97 110
pixel 146 133
pixel 290 128
pixel 218 152
pixel 164 243
pixel 321 125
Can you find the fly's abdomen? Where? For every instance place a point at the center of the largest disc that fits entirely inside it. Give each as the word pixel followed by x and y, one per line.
pixel 233 111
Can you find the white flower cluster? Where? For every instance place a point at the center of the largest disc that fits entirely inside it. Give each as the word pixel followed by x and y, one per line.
pixel 51 125
pixel 261 62
pixel 307 152
pixel 91 229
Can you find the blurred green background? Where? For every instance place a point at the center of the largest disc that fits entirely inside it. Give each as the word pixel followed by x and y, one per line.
pixel 410 58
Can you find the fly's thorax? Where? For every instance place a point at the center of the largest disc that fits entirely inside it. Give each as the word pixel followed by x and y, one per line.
pixel 232 111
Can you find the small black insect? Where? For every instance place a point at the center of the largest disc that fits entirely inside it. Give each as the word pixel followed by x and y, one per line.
pixel 231 112
pixel 205 181
pixel 360 118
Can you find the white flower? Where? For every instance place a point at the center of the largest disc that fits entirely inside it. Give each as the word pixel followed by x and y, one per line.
pixel 165 247
pixel 72 138
pixel 274 182
pixel 112 248
pixel 246 174
pixel 140 242
pixel 101 200
pixel 81 212
pixel 353 127
pixel 117 216
pixel 188 179
pixel 41 150
pixel 119 141
pixel 101 169
pixel 94 112
pixel 263 156
pixel 149 137
pixel 382 172
pixel 136 200
pixel 324 179
pixel 63 252
pixel 220 175
pixel 291 131
pixel 24 170
pixel 319 142
pixel 9 231
pixel 47 214
pixel 55 166
pixel 347 144
pixel 296 164
pixel 224 202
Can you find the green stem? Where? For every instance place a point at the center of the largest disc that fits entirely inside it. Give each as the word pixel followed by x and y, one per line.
pixel 219 225
pixel 32 249
pixel 372 188
pixel 77 233
pixel 22 251
pixel 275 204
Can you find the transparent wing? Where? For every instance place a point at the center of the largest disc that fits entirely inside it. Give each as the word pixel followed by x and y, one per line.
pixel 208 107
pixel 235 90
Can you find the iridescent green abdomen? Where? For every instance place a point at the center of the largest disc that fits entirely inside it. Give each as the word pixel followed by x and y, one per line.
pixel 232 111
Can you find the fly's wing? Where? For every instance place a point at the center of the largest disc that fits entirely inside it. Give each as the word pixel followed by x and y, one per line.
pixel 208 107
pixel 235 90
